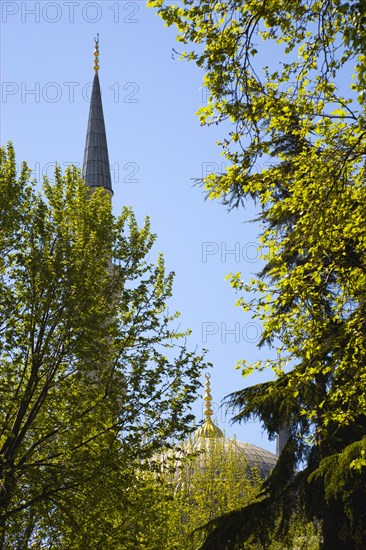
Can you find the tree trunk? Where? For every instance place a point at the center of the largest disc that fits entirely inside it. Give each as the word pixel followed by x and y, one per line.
pixel 7 487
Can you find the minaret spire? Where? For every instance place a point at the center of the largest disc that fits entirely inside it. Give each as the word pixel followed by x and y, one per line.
pixel 208 428
pixel 96 169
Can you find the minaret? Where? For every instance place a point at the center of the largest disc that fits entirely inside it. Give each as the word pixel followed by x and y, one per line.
pixel 208 428
pixel 282 438
pixel 96 170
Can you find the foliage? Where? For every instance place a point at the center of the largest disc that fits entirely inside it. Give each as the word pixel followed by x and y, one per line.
pixel 93 377
pixel 296 145
pixel 211 477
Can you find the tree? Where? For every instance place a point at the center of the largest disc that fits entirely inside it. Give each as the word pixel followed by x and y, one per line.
pixel 93 376
pixel 296 145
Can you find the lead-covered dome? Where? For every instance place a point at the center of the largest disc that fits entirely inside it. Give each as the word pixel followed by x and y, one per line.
pixel 251 455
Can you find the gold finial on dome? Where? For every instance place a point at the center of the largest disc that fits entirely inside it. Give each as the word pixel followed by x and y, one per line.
pixel 96 54
pixel 208 428
pixel 208 397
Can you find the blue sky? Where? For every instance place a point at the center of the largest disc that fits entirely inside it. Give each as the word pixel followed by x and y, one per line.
pixel 156 148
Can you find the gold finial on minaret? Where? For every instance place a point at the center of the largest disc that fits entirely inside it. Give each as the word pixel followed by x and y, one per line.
pixel 208 428
pixel 96 54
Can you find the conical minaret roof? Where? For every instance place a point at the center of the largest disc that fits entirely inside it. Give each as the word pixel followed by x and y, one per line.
pixel 96 169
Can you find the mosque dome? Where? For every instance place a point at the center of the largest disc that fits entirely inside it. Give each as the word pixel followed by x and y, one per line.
pixel 209 434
